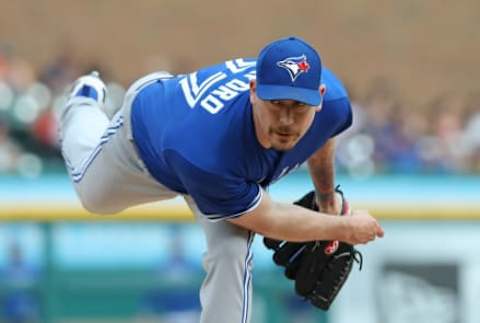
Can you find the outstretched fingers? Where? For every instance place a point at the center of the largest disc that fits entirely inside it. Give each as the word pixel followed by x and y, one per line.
pixel 379 232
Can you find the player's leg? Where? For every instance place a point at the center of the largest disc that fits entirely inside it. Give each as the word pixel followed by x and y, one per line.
pixel 106 171
pixel 226 292
pixel 83 122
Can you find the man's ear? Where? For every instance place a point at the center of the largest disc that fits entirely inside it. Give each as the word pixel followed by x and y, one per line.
pixel 323 90
pixel 253 91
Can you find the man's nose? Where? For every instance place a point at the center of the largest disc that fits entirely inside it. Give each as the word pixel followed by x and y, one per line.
pixel 286 117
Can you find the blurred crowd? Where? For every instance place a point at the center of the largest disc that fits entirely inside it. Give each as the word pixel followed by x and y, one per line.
pixel 442 136
pixel 30 101
pixel 388 135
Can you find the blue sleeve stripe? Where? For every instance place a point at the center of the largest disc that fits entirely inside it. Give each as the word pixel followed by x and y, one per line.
pixel 255 203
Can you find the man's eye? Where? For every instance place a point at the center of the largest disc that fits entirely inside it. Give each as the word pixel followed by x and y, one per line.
pixel 301 106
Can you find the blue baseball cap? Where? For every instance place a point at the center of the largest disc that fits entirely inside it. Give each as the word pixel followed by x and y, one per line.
pixel 289 69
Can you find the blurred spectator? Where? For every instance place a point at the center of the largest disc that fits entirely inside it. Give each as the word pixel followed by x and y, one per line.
pixel 19 303
pixel 179 305
pixel 9 150
pixel 20 74
pixel 472 132
pixel 59 73
pixel 401 153
pixel 43 129
pixel 442 148
pixel 4 54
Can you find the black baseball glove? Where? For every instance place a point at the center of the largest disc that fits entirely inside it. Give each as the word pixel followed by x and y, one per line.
pixel 319 268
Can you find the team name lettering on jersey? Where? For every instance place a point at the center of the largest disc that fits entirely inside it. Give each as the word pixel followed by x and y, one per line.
pixel 195 91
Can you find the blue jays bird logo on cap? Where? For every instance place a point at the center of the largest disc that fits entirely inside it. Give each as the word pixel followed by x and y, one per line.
pixel 295 66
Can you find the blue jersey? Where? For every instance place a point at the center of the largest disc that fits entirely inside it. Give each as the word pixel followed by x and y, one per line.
pixel 195 134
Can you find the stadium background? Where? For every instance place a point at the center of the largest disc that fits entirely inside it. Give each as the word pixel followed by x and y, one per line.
pixel 412 157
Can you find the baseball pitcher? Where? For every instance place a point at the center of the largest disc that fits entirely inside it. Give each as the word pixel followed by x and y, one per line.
pixel 219 137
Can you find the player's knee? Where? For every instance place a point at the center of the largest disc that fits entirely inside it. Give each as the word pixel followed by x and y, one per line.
pixel 95 203
pixel 97 207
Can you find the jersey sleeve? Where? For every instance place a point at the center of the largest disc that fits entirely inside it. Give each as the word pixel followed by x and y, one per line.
pixel 344 110
pixel 217 196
